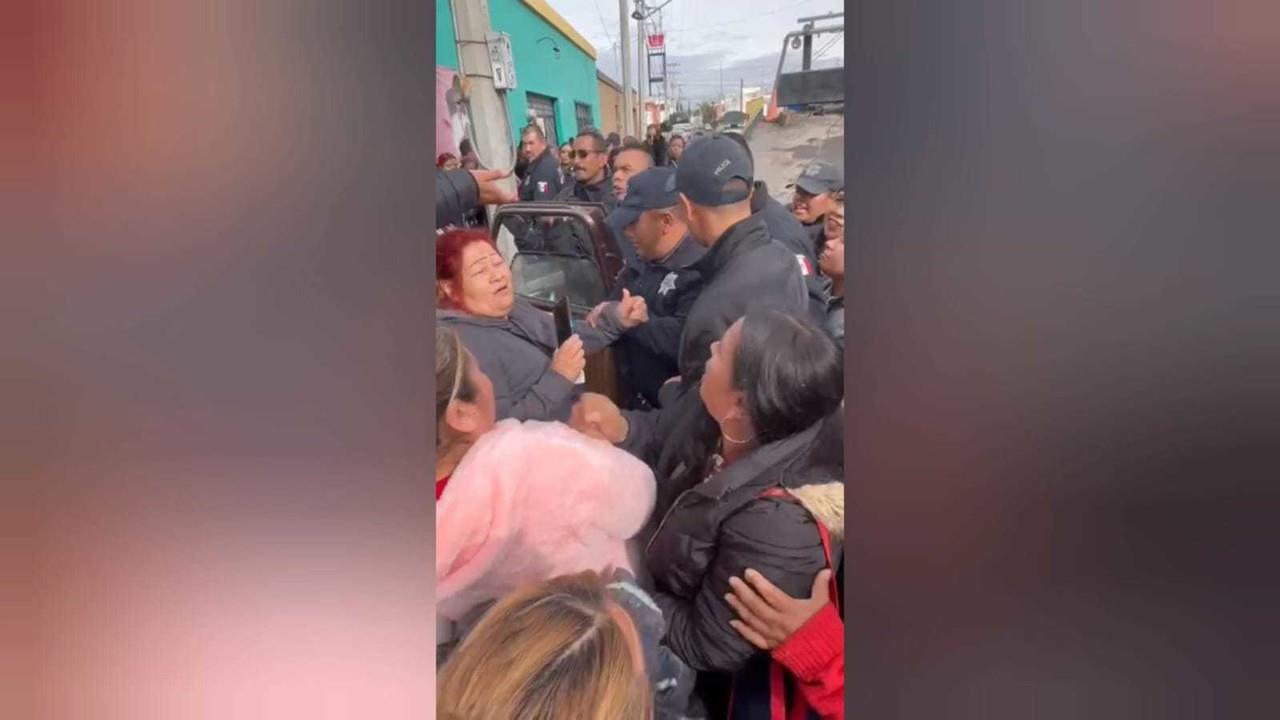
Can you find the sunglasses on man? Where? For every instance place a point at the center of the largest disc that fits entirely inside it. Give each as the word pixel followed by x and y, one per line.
pixel 583 154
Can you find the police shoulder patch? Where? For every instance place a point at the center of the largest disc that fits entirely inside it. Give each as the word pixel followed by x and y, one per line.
pixel 668 284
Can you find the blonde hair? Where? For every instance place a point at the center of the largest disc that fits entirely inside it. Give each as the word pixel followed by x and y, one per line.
pixel 452 381
pixel 553 650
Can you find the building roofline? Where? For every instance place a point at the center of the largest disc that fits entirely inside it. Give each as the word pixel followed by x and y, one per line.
pixel 613 83
pixel 551 16
pixel 608 80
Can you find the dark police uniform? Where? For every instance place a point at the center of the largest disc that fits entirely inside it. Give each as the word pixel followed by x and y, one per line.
pixel 745 268
pixel 817 178
pixel 542 179
pixel 649 353
pixel 601 192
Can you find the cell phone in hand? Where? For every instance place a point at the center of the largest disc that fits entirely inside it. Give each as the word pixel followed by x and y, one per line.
pixel 564 321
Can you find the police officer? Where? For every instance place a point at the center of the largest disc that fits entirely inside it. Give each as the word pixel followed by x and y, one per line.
pixel 590 172
pixel 813 195
pixel 542 177
pixel 628 161
pixel 784 228
pixel 744 267
pixel 663 279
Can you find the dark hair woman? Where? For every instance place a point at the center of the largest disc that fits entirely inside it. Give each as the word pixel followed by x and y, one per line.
pixel 754 458
pixel 657 145
pixel 514 342
pixel 675 149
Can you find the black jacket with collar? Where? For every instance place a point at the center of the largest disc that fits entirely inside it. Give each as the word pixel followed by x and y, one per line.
pixel 745 269
pixel 542 179
pixel 601 192
pixel 715 529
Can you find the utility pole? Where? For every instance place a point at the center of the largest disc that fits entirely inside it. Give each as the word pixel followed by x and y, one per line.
pixel 489 119
pixel 666 69
pixel 624 42
pixel 742 98
pixel 642 76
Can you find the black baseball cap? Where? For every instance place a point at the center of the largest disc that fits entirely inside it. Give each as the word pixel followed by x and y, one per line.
pixel 715 171
pixel 652 189
pixel 820 177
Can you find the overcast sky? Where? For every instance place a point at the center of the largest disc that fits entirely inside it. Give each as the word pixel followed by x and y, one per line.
pixel 746 35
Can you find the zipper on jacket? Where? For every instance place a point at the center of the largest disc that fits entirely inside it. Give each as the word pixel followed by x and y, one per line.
pixel 718 466
pixel 675 504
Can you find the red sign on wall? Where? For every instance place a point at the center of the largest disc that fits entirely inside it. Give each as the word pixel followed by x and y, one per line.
pixel 657 41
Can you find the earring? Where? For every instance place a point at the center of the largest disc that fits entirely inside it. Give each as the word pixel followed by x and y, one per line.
pixel 725 434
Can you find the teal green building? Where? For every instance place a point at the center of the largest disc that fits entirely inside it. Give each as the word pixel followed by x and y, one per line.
pixel 555 66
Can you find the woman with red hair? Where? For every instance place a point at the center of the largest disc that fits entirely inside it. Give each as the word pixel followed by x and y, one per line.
pixel 447 161
pixel 514 342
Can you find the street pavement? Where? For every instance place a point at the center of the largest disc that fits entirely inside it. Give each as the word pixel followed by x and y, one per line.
pixel 781 153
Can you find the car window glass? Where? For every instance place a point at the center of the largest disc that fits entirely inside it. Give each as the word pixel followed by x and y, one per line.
pixel 549 276
pixel 565 235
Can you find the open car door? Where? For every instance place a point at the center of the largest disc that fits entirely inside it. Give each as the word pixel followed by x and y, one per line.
pixel 564 249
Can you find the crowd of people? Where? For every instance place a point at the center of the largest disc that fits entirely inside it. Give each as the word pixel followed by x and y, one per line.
pixel 674 551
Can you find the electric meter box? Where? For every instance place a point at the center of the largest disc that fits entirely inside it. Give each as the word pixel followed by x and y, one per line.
pixel 500 60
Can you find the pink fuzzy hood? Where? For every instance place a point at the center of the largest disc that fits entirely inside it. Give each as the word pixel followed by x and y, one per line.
pixel 530 501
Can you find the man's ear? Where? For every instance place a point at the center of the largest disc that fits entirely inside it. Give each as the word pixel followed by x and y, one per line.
pixel 686 207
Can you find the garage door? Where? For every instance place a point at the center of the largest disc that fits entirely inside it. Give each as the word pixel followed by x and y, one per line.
pixel 543 110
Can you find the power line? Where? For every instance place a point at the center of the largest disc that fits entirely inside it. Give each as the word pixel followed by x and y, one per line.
pixel 831 43
pixel 740 20
pixel 603 25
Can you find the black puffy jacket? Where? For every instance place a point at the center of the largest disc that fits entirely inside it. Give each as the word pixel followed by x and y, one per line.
pixel 715 529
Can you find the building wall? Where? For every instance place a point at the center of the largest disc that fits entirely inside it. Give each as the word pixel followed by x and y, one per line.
pixel 568 79
pixel 611 108
pixel 446 41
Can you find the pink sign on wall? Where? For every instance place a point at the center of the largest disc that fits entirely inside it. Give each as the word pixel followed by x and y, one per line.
pixel 452 122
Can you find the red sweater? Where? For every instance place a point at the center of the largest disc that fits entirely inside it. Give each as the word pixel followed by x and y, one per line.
pixel 815 657
pixel 440 484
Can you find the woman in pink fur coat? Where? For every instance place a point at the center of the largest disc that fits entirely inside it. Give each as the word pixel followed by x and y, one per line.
pixel 519 502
